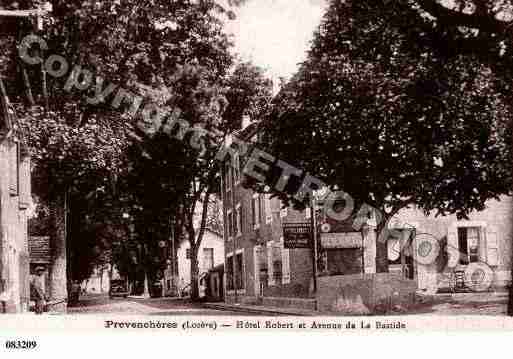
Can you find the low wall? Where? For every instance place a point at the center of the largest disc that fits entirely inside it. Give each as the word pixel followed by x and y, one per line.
pixel 297 290
pixel 282 302
pixel 368 293
pixel 296 303
pixel 230 298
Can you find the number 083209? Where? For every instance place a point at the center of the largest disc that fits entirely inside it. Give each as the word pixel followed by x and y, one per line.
pixel 20 344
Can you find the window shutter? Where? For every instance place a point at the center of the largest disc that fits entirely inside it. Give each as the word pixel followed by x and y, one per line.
pixel 235 223
pixel 236 166
pixel 285 263
pixel 25 197
pixel 270 270
pixel 308 210
pixel 241 219
pixel 492 247
pixel 14 169
pixel 452 246
pixel 257 211
pixel 267 209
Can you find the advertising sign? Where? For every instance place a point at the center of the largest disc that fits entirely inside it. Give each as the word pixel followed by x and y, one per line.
pixel 297 235
pixel 342 240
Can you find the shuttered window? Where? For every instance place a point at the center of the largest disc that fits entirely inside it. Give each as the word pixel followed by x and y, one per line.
pixel 285 263
pixel 267 209
pixel 14 169
pixel 24 183
pixel 238 220
pixel 229 223
pixel 255 210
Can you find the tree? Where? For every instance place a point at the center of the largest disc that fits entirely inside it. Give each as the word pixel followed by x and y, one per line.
pixel 248 94
pixel 398 108
pixel 79 138
pixel 189 175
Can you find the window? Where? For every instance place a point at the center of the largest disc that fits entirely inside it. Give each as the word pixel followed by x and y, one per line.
pixel 468 243
pixel 235 223
pixel 229 223
pixel 228 176
pixel 236 167
pixel 208 258
pixel 270 260
pixel 255 210
pixel 24 183
pixel 308 212
pixel 239 271
pixel 285 264
pixel 238 220
pixel 267 209
pixel 229 273
pixel 14 169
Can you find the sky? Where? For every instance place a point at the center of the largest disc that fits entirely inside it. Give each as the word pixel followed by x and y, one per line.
pixel 275 34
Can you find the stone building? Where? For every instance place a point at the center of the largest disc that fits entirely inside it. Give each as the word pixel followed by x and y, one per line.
pixel 480 245
pixel 258 267
pixel 15 198
pixel 210 255
pixel 354 273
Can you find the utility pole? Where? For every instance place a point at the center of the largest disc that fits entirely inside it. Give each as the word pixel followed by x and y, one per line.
pixel 313 222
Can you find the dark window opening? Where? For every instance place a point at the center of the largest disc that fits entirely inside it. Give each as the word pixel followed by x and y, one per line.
pixel 229 273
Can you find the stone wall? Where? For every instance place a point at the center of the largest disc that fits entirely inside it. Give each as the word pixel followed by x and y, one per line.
pixel 496 218
pixel 368 293
pixel 14 253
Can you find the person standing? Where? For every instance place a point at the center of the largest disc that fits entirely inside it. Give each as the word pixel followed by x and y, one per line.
pixel 37 289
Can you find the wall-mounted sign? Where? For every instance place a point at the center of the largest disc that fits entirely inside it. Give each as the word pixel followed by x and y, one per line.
pixel 342 240
pixel 297 235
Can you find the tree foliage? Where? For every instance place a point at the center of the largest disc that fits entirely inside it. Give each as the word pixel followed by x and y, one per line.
pixel 85 150
pixel 397 107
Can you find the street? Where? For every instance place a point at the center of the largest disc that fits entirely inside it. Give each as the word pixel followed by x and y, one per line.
pixel 100 304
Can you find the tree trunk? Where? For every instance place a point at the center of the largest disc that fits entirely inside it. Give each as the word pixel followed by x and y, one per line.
pixel 58 274
pixel 381 247
pixel 146 293
pixel 194 274
pixel 101 278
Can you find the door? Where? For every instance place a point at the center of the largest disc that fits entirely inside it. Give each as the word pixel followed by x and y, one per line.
pixel 342 261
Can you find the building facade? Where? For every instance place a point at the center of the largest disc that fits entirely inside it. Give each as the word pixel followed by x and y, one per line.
pixel 444 245
pixel 210 255
pixel 357 271
pixel 15 198
pixel 258 267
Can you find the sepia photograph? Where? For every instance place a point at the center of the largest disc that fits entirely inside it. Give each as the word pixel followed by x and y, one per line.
pixel 255 165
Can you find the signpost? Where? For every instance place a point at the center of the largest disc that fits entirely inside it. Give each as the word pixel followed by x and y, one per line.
pixel 297 235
